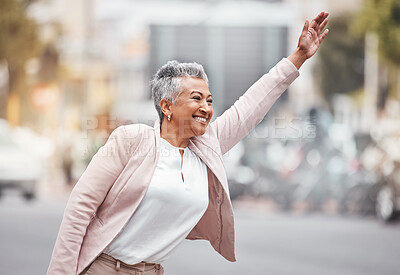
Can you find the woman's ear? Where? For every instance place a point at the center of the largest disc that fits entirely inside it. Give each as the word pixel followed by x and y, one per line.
pixel 165 107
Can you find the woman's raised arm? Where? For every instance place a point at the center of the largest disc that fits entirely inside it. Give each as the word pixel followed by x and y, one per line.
pixel 250 109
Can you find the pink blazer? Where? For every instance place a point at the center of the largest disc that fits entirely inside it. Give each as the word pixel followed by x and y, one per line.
pixel 115 181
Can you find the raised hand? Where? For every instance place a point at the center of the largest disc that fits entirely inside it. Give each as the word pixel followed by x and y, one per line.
pixel 310 39
pixel 312 35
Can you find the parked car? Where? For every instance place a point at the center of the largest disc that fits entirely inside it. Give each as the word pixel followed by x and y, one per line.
pixel 19 168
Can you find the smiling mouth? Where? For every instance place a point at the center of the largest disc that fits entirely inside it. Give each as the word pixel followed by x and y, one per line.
pixel 200 119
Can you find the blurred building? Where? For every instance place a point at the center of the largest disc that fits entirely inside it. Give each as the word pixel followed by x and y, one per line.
pixel 83 79
pixel 230 38
pixel 108 50
pixel 236 41
pixel 234 56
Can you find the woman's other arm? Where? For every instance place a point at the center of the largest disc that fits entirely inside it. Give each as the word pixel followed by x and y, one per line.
pixel 249 110
pixel 85 198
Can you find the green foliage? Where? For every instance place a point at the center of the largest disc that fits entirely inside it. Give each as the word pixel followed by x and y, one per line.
pixel 383 18
pixel 341 56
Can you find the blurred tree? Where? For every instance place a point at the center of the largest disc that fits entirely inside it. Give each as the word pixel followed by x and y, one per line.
pixel 341 59
pixel 19 41
pixel 383 18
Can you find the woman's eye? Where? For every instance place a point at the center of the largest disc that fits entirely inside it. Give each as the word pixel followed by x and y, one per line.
pixel 196 97
pixel 209 101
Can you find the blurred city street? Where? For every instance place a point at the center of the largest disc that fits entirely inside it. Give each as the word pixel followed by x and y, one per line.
pixel 267 243
pixel 315 185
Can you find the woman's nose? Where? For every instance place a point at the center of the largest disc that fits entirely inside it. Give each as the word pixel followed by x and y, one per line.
pixel 205 107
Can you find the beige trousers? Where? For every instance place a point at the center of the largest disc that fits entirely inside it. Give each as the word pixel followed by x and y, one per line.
pixel 107 265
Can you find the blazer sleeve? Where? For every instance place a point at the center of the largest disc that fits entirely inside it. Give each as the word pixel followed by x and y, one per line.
pixel 87 195
pixel 249 110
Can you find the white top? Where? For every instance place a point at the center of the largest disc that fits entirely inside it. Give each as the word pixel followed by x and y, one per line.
pixel 168 212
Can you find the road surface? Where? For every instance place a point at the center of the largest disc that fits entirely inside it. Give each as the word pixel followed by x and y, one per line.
pixel 277 244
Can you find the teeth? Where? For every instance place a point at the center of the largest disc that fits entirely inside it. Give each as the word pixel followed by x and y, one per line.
pixel 201 119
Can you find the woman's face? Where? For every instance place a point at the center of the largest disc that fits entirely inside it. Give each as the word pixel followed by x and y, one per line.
pixel 193 109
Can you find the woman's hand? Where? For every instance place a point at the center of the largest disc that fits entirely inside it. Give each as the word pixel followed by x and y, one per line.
pixel 310 39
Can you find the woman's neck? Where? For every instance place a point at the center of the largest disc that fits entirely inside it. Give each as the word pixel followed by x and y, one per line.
pixel 172 135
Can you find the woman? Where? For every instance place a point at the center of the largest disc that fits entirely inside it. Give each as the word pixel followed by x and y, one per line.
pixel 149 188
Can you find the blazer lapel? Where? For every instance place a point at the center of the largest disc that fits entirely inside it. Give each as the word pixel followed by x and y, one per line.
pixel 211 159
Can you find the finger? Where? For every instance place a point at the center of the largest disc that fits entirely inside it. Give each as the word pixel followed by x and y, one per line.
pixel 323 25
pixel 319 19
pixel 323 35
pixel 305 28
pixel 313 24
pixel 324 15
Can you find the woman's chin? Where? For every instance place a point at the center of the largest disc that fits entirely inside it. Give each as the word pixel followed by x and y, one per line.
pixel 199 131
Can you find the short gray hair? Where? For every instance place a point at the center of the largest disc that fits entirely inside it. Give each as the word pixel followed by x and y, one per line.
pixel 166 83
